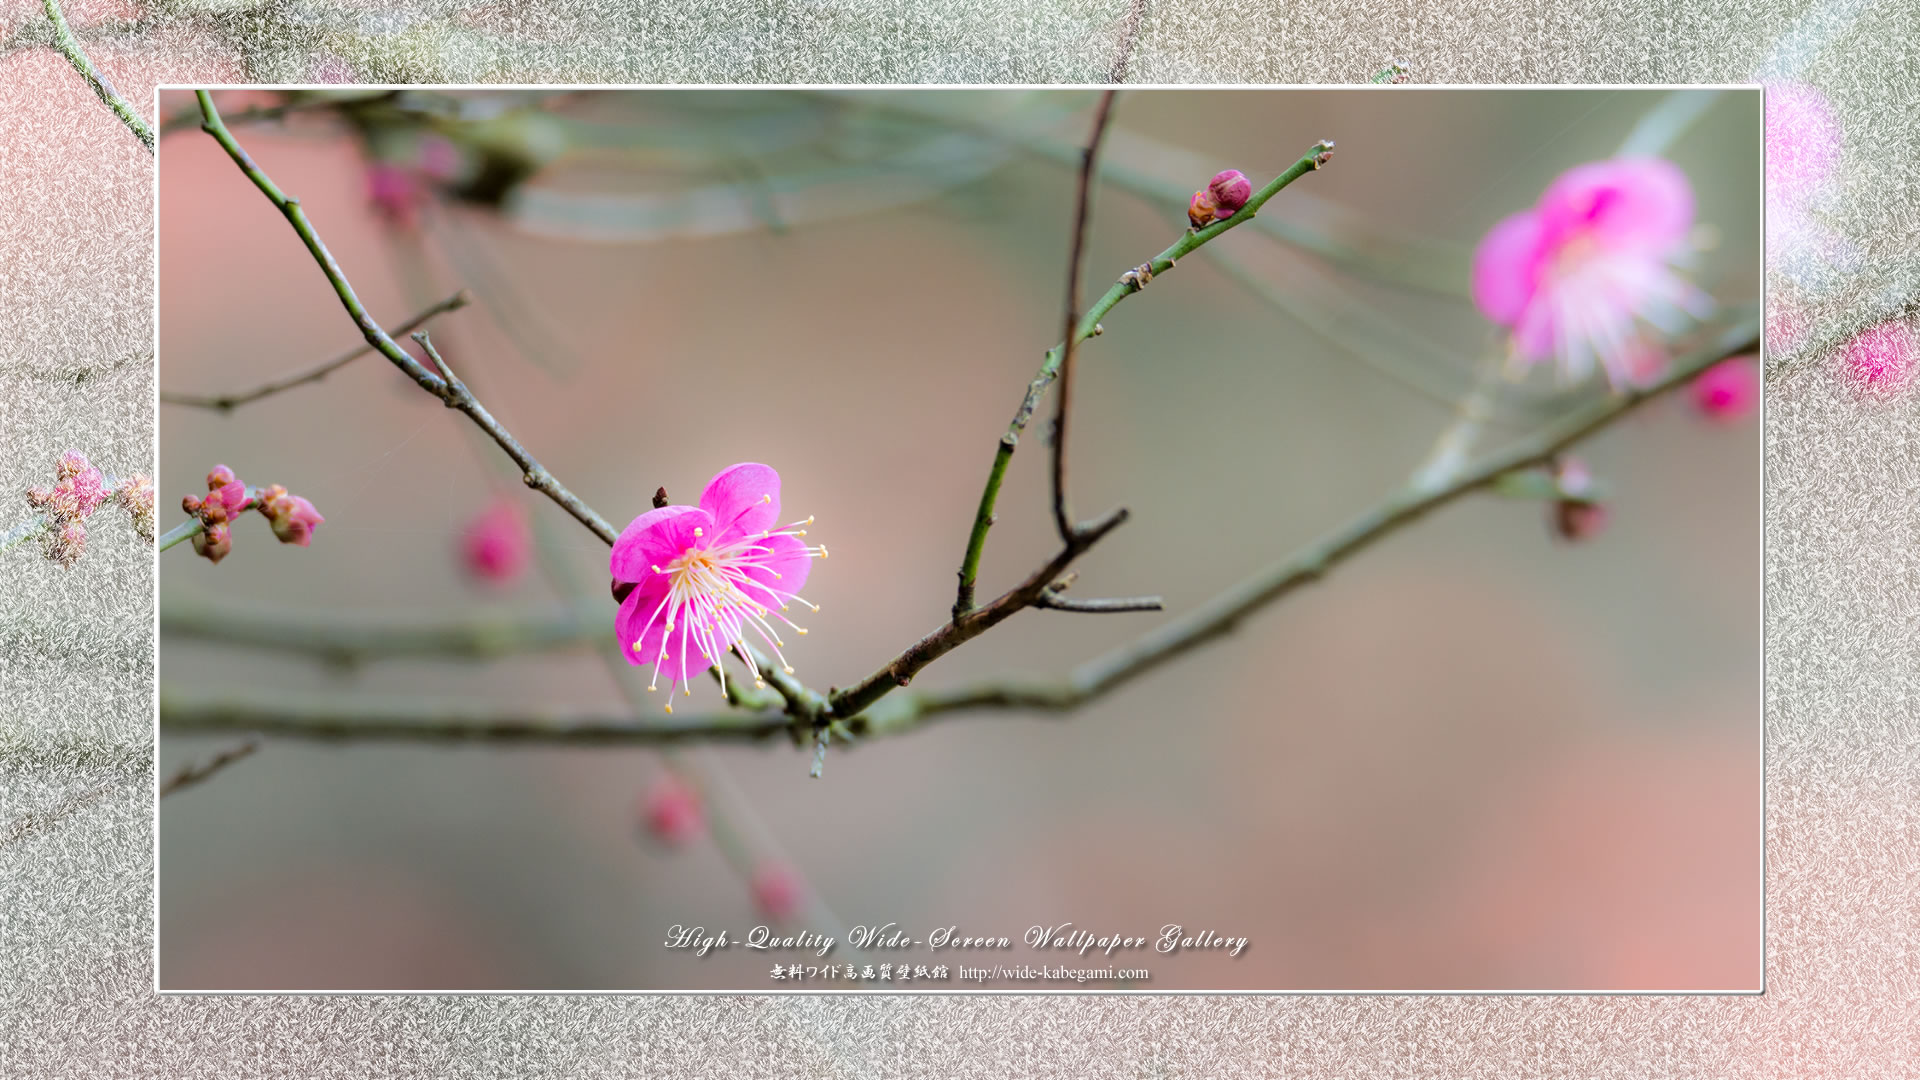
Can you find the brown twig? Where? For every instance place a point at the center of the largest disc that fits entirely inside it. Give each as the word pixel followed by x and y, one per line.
pixel 194 772
pixel 229 402
pixel 1129 38
pixel 1083 207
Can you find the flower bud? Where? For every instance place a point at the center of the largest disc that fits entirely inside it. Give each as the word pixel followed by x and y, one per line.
pixel 220 477
pixel 1231 190
pixel 294 519
pixel 136 495
pixel 673 812
pixel 191 504
pixel 71 464
pixel 65 542
pixel 1577 515
pixel 214 542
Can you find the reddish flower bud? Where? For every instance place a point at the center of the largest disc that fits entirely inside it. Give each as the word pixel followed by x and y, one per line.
pixel 673 812
pixel 1727 390
pixel 214 542
pixel 220 477
pixel 776 891
pixel 1577 515
pixel 1231 190
pixel 395 192
pixel 136 495
pixel 294 519
pixel 65 542
pixel 1881 359
pixel 39 497
pixel 191 504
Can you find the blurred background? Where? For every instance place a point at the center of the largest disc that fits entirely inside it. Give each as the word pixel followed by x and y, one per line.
pixel 1475 757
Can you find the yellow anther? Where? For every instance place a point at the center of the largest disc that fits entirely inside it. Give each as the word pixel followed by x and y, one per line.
pixel 669 706
pixel 800 629
pixel 789 669
pixel 698 531
pixel 766 498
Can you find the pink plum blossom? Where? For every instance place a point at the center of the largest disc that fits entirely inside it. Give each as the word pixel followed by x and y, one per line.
pixel 497 542
pixel 776 891
pixel 136 494
pixel 704 575
pixel 1728 390
pixel 673 812
pixel 1882 358
pixel 1573 277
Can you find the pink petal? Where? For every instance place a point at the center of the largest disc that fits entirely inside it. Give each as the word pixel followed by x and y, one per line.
pixel 1506 267
pixel 656 538
pixel 1803 144
pixel 1643 204
pixel 639 621
pixel 232 496
pixel 743 500
pixel 783 568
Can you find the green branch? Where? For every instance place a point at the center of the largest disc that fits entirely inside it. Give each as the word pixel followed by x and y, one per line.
pixel 1131 282
pixel 64 40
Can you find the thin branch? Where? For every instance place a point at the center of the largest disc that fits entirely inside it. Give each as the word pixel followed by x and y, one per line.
pixel 40 821
pixel 69 45
pixel 1083 207
pixel 290 208
pixel 229 402
pixel 1131 282
pixel 457 396
pixel 194 772
pixel 450 391
pixel 1129 38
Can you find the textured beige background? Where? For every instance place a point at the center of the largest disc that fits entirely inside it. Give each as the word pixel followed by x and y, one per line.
pixel 1843 687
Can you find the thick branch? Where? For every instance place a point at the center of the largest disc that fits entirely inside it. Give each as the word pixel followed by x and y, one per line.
pixel 229 402
pixel 481 637
pixel 413 720
pixel 64 40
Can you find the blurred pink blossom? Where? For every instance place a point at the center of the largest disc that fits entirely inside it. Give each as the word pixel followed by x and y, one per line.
pixel 711 572
pixel 1574 276
pixel 776 891
pixel 673 812
pixel 497 542
pixel 396 192
pixel 1803 143
pixel 1728 390
pixel 1881 358
pixel 1579 515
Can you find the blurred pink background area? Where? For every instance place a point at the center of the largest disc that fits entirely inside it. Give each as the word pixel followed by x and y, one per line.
pixel 1472 758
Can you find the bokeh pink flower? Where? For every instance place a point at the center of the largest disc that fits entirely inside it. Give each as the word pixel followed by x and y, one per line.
pixel 1882 358
pixel 1574 277
pixel 497 543
pixel 673 812
pixel 1578 514
pixel 776 890
pixel 1728 390
pixel 705 575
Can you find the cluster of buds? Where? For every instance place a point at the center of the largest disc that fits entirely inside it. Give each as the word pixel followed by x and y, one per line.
pixel 1222 198
pixel 77 491
pixel 292 516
